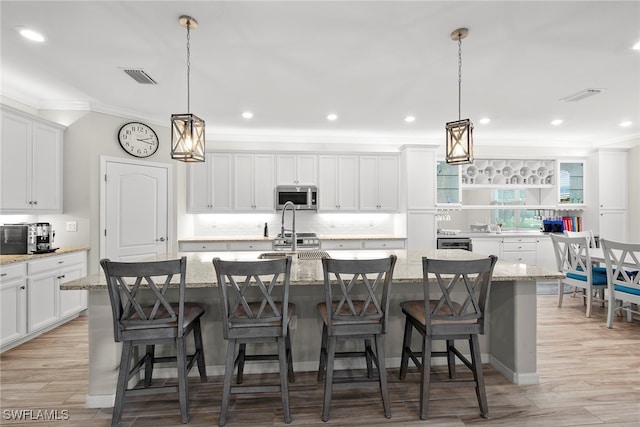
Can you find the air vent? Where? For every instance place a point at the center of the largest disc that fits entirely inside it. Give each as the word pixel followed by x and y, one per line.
pixel 140 76
pixel 586 93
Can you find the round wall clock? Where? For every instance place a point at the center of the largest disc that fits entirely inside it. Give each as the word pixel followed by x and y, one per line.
pixel 138 139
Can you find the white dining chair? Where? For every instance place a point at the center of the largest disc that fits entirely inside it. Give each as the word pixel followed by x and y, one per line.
pixel 623 278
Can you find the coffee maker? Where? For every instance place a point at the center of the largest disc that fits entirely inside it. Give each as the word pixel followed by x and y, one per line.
pixel 40 238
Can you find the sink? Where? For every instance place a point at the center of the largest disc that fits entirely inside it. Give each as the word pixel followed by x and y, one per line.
pixel 303 255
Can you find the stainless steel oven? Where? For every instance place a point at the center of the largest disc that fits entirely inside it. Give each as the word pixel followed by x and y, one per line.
pixel 454 243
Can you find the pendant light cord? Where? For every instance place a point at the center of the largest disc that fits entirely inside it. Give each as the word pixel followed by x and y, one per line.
pixel 459 76
pixel 188 64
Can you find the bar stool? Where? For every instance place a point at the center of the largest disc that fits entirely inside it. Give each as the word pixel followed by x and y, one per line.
pixel 260 318
pixel 458 313
pixel 148 319
pixel 358 311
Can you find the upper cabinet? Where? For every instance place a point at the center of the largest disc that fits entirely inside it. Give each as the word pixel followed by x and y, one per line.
pixel 448 184
pixel 379 183
pixel 30 164
pixel 338 183
pixel 210 184
pixel 418 163
pixel 571 183
pixel 296 169
pixel 612 179
pixel 254 179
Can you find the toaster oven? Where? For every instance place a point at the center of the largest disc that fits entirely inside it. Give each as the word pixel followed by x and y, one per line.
pixel 13 239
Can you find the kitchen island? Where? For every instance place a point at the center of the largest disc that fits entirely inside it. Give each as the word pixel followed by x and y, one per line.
pixel 509 344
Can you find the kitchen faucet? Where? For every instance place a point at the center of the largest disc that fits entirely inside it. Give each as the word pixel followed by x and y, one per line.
pixel 293 223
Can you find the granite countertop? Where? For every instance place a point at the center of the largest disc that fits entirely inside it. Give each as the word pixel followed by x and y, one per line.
pixel 205 239
pixel 10 259
pixel 200 271
pixel 503 234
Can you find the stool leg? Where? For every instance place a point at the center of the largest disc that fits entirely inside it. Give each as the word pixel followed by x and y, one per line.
pixel 323 353
pixel 241 354
pixel 183 385
pixel 226 386
pixel 284 381
pixel 328 381
pixel 290 373
pixel 382 374
pixel 197 337
pixel 425 378
pixel 451 359
pixel 367 356
pixel 123 379
pixel 406 349
pixel 478 375
pixel 148 366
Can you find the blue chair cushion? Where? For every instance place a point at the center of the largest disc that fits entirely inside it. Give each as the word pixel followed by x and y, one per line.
pixel 598 279
pixel 627 290
pixel 602 270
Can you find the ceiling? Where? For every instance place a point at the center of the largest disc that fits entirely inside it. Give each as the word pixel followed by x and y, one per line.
pixel 371 63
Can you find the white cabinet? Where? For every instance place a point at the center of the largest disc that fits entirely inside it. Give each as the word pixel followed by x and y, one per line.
pixel 250 246
pixel 490 246
pixel 202 246
pixel 338 183
pixel 13 302
pixel 379 179
pixel 367 244
pixel 421 230
pixel 254 182
pixel 210 184
pixel 420 178
pixel 545 257
pixel 46 303
pixel 571 183
pixel 613 195
pixel 30 164
pixel 520 249
pixel 296 169
pixel 341 244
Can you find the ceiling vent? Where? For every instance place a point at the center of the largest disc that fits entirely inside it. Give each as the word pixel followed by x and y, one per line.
pixel 140 76
pixel 586 93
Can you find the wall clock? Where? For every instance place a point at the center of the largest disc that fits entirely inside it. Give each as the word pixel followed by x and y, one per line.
pixel 138 139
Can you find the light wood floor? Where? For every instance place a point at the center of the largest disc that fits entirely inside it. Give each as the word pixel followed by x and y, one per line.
pixel 589 375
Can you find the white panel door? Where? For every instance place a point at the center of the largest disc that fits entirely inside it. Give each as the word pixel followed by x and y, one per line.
pixel 136 211
pixel 15 163
pixel 47 169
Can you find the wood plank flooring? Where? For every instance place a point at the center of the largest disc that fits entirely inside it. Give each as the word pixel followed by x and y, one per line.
pixel 589 375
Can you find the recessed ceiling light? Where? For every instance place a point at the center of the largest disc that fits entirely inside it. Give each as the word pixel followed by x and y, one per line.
pixel 484 120
pixel 636 46
pixel 556 122
pixel 247 115
pixel 410 119
pixel 31 34
pixel 625 124
pixel 332 117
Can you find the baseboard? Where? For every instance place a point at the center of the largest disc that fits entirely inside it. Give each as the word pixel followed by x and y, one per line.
pixel 520 379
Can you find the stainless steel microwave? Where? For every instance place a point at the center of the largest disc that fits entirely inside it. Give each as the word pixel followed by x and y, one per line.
pixel 303 197
pixel 13 239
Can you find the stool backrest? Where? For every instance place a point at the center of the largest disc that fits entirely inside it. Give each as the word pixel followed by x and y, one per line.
pixel 357 292
pixel 132 308
pixel 242 305
pixel 463 292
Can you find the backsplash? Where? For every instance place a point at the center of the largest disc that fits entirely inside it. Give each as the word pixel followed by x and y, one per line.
pixel 319 223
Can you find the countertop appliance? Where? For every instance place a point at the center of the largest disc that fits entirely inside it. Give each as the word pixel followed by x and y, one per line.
pixel 13 239
pixel 40 238
pixel 305 241
pixel 454 243
pixel 303 197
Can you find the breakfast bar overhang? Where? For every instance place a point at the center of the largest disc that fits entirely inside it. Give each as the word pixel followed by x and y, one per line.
pixel 509 345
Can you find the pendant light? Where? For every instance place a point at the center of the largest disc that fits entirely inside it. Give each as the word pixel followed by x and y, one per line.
pixel 187 130
pixel 460 132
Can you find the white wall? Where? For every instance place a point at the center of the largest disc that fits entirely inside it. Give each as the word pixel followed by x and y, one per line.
pixel 634 193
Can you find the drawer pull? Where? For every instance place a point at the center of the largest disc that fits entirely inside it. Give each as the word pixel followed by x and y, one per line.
pixel 3 274
pixel 23 287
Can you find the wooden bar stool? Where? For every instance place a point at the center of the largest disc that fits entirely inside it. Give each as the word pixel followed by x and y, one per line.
pixel 355 309
pixel 261 318
pixel 148 319
pixel 458 312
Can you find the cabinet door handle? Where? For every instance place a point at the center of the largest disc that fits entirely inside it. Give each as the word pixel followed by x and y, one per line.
pixel 160 239
pixel 23 287
pixel 3 274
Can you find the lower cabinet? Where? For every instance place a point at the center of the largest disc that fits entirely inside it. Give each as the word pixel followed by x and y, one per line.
pixel 486 246
pixel 31 298
pixel 13 303
pixel 520 249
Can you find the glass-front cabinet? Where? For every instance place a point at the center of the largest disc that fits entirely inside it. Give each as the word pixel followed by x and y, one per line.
pixel 571 183
pixel 448 184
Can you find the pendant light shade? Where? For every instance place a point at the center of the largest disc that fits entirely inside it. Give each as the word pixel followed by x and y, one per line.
pixel 187 138
pixel 187 130
pixel 459 143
